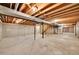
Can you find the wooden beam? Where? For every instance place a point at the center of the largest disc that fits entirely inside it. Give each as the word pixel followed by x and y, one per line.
pixel 64 14
pixel 17 14
pixel 69 19
pixel 51 7
pixel 18 20
pixel 64 11
pixel 22 21
pixel 16 6
pixel 30 8
pixel 70 15
pixel 65 7
pixel 48 27
pixel 22 7
pixel 10 5
pixel 44 6
pixel 14 19
pixel 29 5
pixel 0 21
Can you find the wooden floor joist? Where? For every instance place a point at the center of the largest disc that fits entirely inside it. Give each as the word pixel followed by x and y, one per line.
pixel 64 11
pixel 58 9
pixel 64 14
pixel 51 7
pixel 17 14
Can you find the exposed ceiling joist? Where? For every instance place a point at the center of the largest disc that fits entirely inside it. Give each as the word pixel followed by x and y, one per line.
pixel 29 5
pixel 0 21
pixel 51 7
pixel 14 19
pixel 69 19
pixel 14 13
pixel 57 10
pixel 22 7
pixel 22 21
pixel 29 9
pixel 64 11
pixel 70 15
pixel 10 5
pixel 16 6
pixel 67 13
pixel 44 6
pixel 66 21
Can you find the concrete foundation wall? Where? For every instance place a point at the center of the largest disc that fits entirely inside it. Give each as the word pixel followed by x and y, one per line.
pixel 12 30
pixel 13 34
pixel 77 29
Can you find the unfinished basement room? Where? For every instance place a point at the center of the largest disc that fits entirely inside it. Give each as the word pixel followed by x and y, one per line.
pixel 39 28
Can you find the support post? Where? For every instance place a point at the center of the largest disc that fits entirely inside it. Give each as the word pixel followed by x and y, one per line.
pixel 42 30
pixel 34 31
pixel 75 29
pixel 57 30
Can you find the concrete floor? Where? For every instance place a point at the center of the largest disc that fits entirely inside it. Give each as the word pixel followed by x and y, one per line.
pixel 65 43
pixel 51 44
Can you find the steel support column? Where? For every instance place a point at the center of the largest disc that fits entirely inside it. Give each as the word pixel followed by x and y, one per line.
pixel 42 30
pixel 75 29
pixel 34 31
